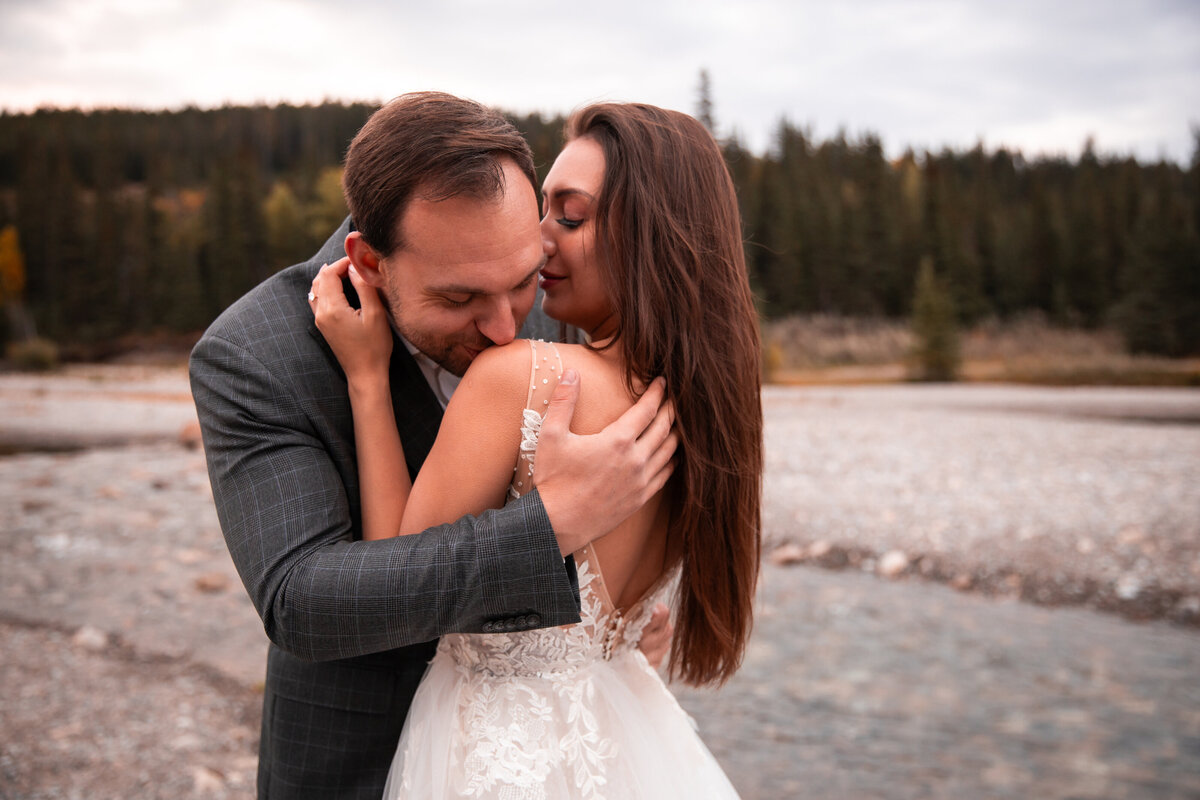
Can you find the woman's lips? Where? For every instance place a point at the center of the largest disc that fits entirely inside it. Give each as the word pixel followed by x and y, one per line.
pixel 549 279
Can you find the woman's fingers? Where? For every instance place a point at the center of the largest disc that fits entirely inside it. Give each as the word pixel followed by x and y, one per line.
pixel 656 637
pixel 327 294
pixel 368 296
pixel 661 465
pixel 636 422
pixel 556 422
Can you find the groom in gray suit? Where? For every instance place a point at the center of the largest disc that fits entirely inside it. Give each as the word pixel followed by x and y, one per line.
pixel 352 624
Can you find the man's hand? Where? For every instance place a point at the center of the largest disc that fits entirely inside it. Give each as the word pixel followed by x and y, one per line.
pixel 656 637
pixel 591 484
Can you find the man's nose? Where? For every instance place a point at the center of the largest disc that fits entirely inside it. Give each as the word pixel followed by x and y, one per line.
pixel 498 325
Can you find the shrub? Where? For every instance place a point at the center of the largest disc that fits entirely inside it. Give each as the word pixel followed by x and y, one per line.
pixel 33 355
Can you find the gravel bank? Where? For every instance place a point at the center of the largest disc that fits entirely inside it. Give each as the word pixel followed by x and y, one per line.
pixel 1057 496
pixel 130 659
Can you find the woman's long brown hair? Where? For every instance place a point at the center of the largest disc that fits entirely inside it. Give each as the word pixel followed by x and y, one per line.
pixel 670 244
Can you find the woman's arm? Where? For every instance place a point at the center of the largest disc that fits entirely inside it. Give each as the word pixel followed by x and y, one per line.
pixel 471 464
pixel 362 341
pixel 384 485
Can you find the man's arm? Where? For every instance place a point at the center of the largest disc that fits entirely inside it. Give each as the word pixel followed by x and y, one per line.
pixel 286 516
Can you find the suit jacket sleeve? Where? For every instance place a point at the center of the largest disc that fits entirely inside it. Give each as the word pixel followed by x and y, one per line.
pixel 289 521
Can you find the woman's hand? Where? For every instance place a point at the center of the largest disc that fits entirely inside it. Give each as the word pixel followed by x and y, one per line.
pixel 361 338
pixel 656 636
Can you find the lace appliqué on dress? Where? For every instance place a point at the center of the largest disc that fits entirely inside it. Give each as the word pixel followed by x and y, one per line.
pixel 526 706
pixel 531 429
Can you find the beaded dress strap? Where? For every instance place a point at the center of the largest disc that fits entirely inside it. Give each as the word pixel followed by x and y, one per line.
pixel 545 369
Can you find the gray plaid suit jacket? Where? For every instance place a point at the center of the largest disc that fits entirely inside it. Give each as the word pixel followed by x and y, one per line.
pixel 352 623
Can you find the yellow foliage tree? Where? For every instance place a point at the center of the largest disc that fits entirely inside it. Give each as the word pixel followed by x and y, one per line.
pixel 328 207
pixel 20 326
pixel 287 241
pixel 12 266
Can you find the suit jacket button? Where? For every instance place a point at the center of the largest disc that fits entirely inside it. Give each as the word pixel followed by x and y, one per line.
pixel 534 620
pixel 510 624
pixel 489 627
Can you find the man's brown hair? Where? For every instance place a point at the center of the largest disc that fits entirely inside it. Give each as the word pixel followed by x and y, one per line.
pixel 427 144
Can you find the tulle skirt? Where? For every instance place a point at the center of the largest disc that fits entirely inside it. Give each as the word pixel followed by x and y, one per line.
pixel 608 729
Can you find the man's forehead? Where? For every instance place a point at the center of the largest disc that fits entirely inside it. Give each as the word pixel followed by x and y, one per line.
pixel 472 244
pixel 465 221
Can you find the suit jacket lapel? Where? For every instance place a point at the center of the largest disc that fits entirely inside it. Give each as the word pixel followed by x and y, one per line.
pixel 418 412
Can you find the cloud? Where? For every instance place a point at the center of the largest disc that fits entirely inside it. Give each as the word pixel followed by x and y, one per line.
pixel 926 73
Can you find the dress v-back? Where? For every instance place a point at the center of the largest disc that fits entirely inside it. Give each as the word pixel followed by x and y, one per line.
pixel 554 713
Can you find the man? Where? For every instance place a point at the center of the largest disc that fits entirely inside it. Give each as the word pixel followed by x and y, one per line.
pixel 442 194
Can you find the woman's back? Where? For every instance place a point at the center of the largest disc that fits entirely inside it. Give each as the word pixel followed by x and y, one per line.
pixel 632 556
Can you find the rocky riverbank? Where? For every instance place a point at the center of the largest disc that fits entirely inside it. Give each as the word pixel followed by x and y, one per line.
pixel 131 660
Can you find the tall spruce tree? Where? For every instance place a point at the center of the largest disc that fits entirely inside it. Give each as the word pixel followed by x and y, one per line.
pixel 935 327
pixel 704 103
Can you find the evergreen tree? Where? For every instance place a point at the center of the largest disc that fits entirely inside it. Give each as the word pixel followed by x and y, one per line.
pixel 935 327
pixel 1044 288
pixel 1085 280
pixel 880 217
pixel 1160 312
pixel 704 103
pixel 107 298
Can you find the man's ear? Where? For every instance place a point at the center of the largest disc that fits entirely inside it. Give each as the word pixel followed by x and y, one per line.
pixel 365 259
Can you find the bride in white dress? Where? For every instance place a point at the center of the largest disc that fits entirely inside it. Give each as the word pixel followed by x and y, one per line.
pixel 643 244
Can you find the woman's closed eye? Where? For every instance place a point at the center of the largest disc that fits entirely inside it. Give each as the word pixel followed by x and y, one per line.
pixel 569 223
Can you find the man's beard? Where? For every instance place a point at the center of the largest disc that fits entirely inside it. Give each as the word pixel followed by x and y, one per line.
pixel 446 353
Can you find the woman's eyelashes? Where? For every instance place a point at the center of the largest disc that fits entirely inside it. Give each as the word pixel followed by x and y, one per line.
pixel 568 221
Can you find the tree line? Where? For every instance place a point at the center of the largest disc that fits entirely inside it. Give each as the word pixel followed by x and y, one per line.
pixel 134 222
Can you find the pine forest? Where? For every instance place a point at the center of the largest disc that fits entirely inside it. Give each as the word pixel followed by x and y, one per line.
pixel 123 224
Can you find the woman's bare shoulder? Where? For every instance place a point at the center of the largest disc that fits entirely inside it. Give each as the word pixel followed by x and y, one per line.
pixel 500 367
pixel 502 372
pixel 603 395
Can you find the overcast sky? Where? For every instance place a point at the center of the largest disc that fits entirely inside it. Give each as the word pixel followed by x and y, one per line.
pixel 1038 75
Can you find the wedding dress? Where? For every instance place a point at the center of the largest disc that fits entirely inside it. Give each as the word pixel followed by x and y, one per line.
pixel 571 712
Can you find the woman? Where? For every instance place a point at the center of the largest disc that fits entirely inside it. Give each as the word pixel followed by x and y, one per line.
pixel 643 243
